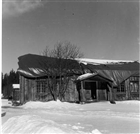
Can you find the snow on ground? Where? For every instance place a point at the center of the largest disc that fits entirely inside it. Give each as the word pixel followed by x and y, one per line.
pixel 69 118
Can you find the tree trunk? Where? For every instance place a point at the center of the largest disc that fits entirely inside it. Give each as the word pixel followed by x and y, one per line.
pixel 51 89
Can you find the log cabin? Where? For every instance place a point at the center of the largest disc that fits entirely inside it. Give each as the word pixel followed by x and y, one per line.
pixel 87 80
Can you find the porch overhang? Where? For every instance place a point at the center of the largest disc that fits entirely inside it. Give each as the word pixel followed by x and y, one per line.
pixel 93 76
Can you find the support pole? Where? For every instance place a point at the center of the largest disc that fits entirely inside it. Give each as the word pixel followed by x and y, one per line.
pixel 82 92
pixel 21 89
pixel 110 93
pixel 111 98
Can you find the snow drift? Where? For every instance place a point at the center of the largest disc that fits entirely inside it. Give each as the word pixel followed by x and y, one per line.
pixel 36 125
pixel 68 118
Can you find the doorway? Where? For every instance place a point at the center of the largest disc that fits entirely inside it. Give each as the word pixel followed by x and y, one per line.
pixel 90 89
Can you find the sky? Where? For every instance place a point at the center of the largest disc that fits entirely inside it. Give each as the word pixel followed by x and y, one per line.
pixel 102 29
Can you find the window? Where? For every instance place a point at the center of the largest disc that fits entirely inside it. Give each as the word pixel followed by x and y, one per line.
pixel 134 86
pixel 41 86
pixel 134 78
pixel 134 83
pixel 122 88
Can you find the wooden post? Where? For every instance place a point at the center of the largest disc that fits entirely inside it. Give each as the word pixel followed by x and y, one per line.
pixel 25 92
pixel 34 88
pixel 105 91
pixel 126 89
pixel 97 94
pixel 29 90
pixel 82 93
pixel 113 97
pixel 110 93
pixel 75 92
pixel 22 89
pixel 23 84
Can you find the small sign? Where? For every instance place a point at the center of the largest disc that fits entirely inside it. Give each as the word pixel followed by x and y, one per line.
pixel 16 86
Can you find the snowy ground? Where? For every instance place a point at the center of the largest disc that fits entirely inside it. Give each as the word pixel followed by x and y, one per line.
pixel 70 118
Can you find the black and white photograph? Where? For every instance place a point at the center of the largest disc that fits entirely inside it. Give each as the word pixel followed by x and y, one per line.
pixel 70 67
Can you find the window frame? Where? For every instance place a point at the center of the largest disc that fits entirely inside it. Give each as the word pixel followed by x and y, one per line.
pixel 121 88
pixel 41 85
pixel 134 84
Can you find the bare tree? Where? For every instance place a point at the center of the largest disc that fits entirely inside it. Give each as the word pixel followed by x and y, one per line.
pixel 63 50
pixel 62 68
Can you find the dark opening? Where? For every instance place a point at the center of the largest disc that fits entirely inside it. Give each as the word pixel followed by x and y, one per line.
pixel 91 86
pixel 93 90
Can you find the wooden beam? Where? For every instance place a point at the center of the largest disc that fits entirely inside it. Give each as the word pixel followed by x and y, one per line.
pixel 34 88
pixel 82 93
pixel 110 93
pixel 20 77
pixel 26 90
pixel 22 89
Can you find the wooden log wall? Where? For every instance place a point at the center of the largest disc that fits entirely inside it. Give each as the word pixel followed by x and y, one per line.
pixel 101 94
pixel 128 94
pixel 27 90
pixel 30 90
pixel 71 93
pixel 33 90
pixel 21 81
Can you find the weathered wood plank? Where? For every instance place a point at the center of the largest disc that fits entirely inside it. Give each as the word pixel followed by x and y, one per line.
pixel 34 90
pixel 26 90
pixel 22 89
pixel 29 90
pixel 20 82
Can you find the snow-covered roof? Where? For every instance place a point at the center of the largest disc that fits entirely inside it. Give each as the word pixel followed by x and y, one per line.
pixel 34 66
pixel 93 76
pixel 85 76
pixel 115 70
pixel 102 61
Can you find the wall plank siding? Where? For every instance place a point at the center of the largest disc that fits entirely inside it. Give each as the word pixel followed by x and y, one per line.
pixel 22 91
pixel 20 82
pixel 29 90
pixel 34 90
pixel 26 90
